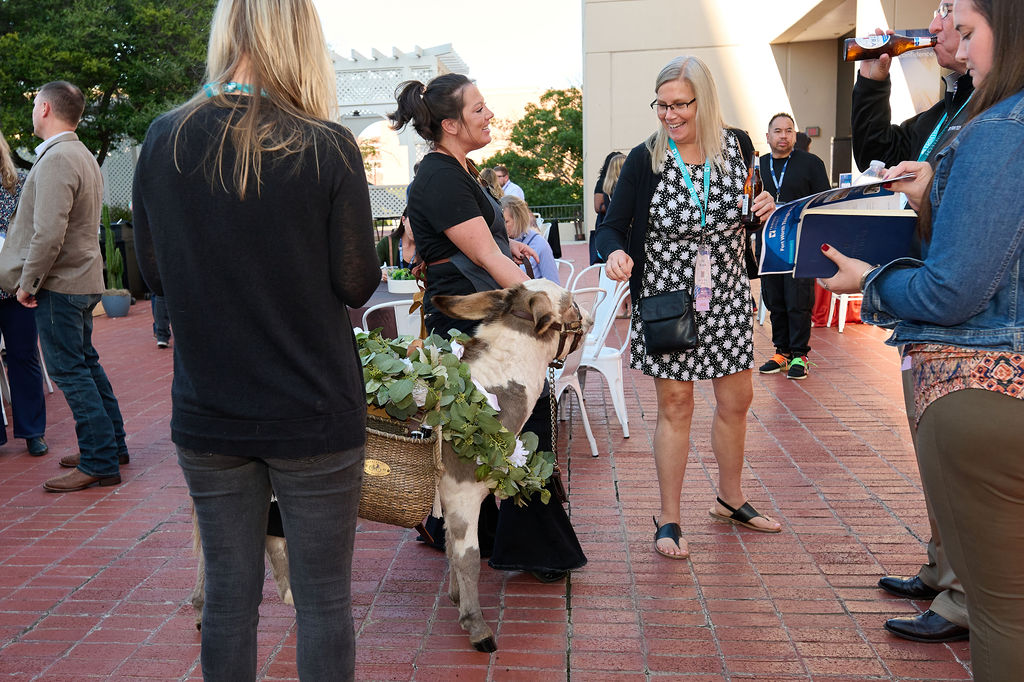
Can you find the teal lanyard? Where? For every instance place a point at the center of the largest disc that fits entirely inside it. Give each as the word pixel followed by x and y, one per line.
pixel 939 130
pixel 689 183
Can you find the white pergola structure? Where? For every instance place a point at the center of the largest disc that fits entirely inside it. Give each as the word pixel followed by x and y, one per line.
pixel 366 86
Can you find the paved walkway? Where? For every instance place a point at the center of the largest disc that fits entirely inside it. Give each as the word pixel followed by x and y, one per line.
pixel 94 584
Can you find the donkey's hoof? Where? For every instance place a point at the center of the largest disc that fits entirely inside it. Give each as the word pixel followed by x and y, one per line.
pixel 486 645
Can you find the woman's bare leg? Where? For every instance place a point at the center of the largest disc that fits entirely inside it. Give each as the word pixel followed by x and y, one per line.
pixel 671 450
pixel 733 395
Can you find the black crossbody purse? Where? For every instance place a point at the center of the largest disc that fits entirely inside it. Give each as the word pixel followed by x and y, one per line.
pixel 669 324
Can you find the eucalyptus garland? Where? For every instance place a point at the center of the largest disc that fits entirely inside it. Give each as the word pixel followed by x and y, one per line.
pixel 432 385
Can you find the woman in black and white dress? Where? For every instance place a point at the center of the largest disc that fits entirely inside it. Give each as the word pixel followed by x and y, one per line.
pixel 679 194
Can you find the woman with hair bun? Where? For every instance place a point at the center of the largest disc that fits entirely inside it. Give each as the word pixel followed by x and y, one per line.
pixel 461 238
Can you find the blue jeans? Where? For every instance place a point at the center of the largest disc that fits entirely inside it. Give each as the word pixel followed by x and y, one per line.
pixel 318 497
pixel 161 320
pixel 65 334
pixel 18 326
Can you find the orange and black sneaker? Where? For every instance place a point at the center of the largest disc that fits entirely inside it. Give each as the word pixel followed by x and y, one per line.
pixel 776 364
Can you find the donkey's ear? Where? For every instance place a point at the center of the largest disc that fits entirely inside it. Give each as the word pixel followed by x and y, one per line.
pixel 470 307
pixel 543 312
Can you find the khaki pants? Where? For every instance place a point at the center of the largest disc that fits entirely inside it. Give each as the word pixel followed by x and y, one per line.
pixel 971 446
pixel 950 603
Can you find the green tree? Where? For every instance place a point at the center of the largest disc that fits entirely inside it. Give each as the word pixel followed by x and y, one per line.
pixel 545 155
pixel 133 60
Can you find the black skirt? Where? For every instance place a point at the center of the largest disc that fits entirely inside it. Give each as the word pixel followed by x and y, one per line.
pixel 535 537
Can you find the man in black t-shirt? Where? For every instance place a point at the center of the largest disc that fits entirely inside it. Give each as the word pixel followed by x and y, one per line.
pixel 789 174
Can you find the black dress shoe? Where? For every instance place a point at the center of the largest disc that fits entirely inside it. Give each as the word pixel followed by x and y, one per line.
pixel 37 446
pixel 927 627
pixel 910 588
pixel 549 576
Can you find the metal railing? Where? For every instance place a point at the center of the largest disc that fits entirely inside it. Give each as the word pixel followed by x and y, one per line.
pixel 564 213
pixel 560 212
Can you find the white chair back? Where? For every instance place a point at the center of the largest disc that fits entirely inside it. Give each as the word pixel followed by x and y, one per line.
pixel 599 334
pixel 565 272
pixel 589 298
pixel 608 360
pixel 406 323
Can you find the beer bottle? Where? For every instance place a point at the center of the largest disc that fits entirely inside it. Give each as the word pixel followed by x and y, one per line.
pixel 875 46
pixel 751 188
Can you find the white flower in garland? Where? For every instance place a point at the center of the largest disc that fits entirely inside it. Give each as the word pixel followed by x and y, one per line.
pixel 492 399
pixel 519 455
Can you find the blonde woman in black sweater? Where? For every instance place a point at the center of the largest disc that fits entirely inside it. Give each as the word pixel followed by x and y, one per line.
pixel 252 217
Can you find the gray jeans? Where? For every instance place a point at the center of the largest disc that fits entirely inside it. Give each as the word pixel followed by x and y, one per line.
pixel 318 497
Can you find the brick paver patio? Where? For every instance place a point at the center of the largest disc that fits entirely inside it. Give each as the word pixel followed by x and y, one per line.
pixel 94 584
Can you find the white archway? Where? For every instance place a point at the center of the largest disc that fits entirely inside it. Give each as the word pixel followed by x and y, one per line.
pixel 366 87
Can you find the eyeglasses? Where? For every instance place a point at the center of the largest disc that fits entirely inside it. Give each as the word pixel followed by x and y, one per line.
pixel 663 108
pixel 944 10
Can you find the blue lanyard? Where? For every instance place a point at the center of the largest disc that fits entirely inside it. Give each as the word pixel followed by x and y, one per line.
pixel 778 180
pixel 939 130
pixel 689 183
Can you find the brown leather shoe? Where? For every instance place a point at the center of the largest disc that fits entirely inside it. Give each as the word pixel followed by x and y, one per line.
pixel 71 461
pixel 76 480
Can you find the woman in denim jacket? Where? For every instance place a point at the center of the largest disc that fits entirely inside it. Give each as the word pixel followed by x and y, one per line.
pixel 960 312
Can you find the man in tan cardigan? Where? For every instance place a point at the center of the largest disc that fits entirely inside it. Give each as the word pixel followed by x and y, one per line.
pixel 51 260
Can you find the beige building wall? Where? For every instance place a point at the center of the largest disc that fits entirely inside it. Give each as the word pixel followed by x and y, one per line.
pixel 765 57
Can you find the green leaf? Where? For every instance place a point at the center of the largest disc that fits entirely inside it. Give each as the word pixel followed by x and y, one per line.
pixel 488 424
pixel 401 389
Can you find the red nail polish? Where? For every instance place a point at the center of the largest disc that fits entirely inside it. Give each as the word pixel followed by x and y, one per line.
pixel 824 247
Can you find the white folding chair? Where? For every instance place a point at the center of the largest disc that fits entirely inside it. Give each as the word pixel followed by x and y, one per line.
pixel 608 359
pixel 565 272
pixel 604 314
pixel 406 323
pixel 568 376
pixel 844 301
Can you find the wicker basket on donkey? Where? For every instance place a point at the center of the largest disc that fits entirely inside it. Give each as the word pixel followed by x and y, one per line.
pixel 399 473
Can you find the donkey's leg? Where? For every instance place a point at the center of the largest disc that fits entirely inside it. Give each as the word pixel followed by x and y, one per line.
pixel 199 591
pixel 461 500
pixel 277 553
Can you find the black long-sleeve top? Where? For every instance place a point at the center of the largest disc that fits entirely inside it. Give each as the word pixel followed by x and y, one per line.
pixel 876 137
pixel 265 363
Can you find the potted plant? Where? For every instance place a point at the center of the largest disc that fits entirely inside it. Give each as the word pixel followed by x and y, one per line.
pixel 116 299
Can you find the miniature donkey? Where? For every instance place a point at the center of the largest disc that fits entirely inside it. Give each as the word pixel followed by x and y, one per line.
pixel 523 328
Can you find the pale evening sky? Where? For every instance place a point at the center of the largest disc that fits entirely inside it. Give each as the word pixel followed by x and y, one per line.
pixel 522 43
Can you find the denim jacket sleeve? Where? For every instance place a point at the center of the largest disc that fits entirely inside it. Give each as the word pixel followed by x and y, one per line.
pixel 977 233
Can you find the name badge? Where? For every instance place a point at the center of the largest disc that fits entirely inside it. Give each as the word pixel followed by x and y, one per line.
pixel 702 281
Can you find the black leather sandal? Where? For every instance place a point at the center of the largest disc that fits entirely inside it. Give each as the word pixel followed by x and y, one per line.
pixel 742 517
pixel 673 533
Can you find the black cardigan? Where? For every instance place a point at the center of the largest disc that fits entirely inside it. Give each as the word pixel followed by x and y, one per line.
pixel 265 363
pixel 625 222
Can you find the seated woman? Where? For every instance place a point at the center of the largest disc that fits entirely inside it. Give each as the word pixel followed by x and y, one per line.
pixel 398 249
pixel 520 224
